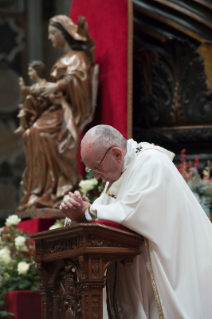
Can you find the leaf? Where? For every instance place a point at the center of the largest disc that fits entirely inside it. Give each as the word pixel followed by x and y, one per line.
pixel 6 314
pixel 24 284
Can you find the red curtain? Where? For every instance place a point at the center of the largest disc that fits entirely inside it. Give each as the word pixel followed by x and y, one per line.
pixel 108 26
pixel 24 304
pixel 36 224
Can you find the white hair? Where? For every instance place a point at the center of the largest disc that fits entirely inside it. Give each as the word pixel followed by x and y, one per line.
pixel 105 136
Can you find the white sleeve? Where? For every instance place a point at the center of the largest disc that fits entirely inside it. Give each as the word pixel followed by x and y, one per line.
pixel 88 216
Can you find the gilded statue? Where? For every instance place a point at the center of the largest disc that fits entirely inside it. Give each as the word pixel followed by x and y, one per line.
pixel 54 113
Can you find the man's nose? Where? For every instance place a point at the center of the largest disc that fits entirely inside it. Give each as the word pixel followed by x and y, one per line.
pixel 96 175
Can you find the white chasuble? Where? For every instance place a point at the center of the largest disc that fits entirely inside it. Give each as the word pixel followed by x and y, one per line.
pixel 172 278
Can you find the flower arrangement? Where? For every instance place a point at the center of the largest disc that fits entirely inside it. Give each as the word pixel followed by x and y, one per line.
pixel 200 186
pixel 90 187
pixel 17 265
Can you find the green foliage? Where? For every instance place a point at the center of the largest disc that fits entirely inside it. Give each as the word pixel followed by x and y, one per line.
pixel 92 187
pixel 200 186
pixel 17 265
pixel 89 175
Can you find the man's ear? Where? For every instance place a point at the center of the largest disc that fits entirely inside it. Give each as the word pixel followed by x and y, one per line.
pixel 117 153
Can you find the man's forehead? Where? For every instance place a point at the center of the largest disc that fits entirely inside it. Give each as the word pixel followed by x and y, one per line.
pixel 88 153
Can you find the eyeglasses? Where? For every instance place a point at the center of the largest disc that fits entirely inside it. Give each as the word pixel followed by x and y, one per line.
pixel 95 170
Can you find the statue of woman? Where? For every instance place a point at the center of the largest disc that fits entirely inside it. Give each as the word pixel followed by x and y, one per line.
pixel 51 143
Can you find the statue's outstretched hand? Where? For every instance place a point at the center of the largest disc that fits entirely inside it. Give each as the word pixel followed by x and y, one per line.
pixel 75 207
pixel 21 83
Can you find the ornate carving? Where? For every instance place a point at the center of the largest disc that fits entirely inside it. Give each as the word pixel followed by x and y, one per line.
pixel 83 266
pixel 69 294
pixel 90 286
pixel 53 271
pixel 95 307
pixel 94 241
pixel 94 267
pixel 38 249
pixel 56 306
pixel 60 245
pixel 179 93
pixel 41 273
pixel 87 307
pixel 80 241
pixel 71 287
pixel 176 135
pixel 177 112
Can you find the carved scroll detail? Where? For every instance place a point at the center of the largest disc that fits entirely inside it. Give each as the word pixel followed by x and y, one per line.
pixel 95 307
pixel 60 245
pixel 94 241
pixel 83 267
pixel 69 295
pixel 94 267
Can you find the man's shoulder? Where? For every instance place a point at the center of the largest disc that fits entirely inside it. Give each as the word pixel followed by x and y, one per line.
pixel 151 157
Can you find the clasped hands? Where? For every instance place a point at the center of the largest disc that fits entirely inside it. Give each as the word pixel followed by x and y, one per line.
pixel 75 207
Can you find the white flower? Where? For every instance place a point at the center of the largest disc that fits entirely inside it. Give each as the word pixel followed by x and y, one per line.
pixel 65 198
pixel 6 276
pixel 12 220
pixel 22 268
pixel 20 243
pixel 5 255
pixel 55 226
pixel 95 181
pixel 88 185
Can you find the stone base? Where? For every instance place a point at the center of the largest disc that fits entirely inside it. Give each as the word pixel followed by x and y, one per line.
pixel 40 213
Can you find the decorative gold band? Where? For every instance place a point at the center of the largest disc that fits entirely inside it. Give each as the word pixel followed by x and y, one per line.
pixel 91 214
pixel 154 285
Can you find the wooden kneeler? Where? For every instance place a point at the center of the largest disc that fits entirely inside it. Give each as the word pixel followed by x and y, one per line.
pixel 72 261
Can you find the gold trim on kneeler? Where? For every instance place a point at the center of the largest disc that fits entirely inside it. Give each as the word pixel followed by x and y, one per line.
pixel 154 285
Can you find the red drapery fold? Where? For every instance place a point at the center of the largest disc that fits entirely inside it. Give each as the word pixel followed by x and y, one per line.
pixel 24 304
pixel 36 224
pixel 108 25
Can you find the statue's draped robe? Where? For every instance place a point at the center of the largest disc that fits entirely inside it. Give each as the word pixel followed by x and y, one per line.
pixel 153 200
pixel 51 143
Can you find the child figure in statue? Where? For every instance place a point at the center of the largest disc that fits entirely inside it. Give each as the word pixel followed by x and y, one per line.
pixel 33 104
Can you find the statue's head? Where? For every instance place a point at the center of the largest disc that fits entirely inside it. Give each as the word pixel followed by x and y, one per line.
pixel 63 30
pixel 36 69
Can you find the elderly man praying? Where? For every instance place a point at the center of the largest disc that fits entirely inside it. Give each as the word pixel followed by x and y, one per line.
pixel 172 277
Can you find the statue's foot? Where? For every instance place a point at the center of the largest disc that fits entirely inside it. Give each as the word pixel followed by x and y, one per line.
pixel 19 130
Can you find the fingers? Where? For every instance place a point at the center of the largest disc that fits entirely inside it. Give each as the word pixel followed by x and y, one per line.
pixel 85 198
pixel 63 206
pixel 73 202
pixel 76 196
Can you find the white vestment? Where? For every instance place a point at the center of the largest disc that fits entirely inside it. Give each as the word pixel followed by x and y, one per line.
pixel 152 199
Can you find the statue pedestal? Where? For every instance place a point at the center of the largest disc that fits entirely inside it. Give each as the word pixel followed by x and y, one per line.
pixel 72 262
pixel 40 213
